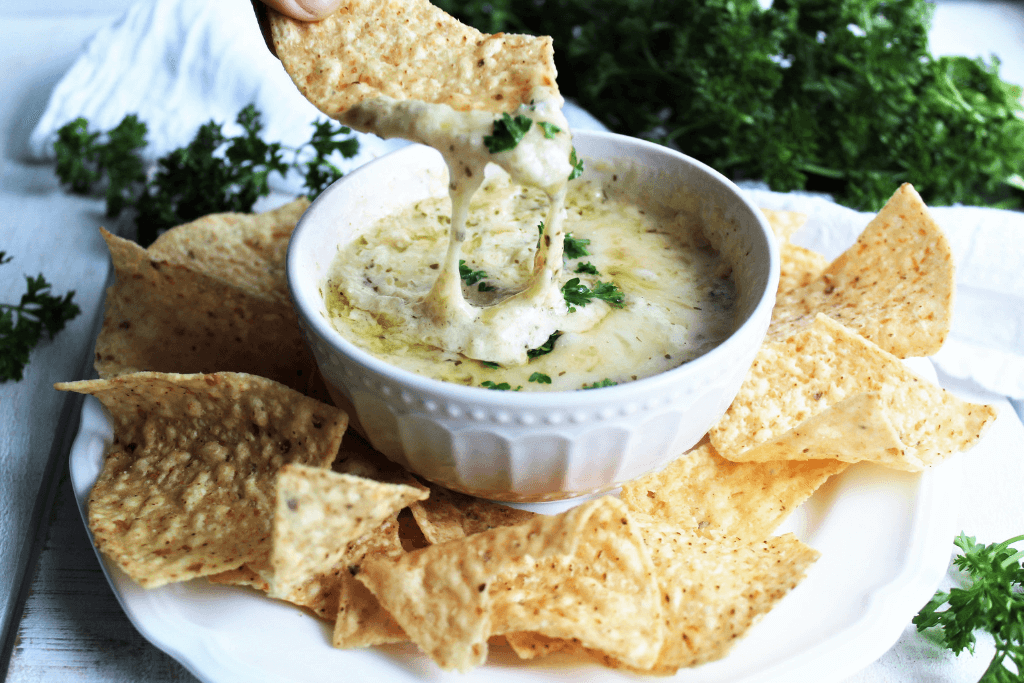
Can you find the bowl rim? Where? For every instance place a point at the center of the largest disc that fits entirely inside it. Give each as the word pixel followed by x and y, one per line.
pixel 485 397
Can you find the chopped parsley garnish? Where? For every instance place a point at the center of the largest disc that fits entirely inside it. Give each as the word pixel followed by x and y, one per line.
pixel 575 247
pixel 545 348
pixel 213 173
pixel 550 129
pixel 577 165
pixel 503 386
pixel 490 364
pixel 598 385
pixel 472 277
pixel 22 325
pixel 578 294
pixel 507 133
pixel 540 378
pixel 586 268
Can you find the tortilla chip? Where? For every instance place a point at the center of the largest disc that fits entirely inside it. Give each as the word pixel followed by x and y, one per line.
pixel 447 515
pixel 712 591
pixel 534 645
pixel 442 595
pixel 187 486
pixel 784 223
pixel 826 392
pixel 243 250
pixel 243 576
pixel 799 268
pixel 703 492
pixel 408 50
pixel 164 317
pixel 361 620
pixel 318 513
pixel 894 286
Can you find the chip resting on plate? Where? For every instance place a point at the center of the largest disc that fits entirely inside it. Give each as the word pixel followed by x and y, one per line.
pixel 447 515
pixel 408 50
pixel 166 317
pixel 244 250
pixel 187 486
pixel 826 392
pixel 894 286
pixel 702 491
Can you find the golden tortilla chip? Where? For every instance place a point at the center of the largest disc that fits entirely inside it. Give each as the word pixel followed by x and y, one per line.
pixel 447 515
pixel 827 392
pixel 894 286
pixel 799 267
pixel 408 50
pixel 784 223
pixel 244 250
pixel 529 645
pixel 243 576
pixel 318 513
pixel 703 492
pixel 443 596
pixel 712 591
pixel 187 486
pixel 164 317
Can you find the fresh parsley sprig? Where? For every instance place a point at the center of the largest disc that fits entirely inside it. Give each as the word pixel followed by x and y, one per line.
pixel 212 173
pixel 993 602
pixel 472 277
pixel 508 131
pixel 578 294
pixel 22 325
pixel 545 348
pixel 575 247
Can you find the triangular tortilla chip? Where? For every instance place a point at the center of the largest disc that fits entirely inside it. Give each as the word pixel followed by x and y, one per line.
pixel 826 392
pixel 447 515
pixel 187 487
pixel 244 250
pixel 894 286
pixel 408 50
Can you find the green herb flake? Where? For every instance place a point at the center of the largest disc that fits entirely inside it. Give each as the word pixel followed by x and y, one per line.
pixel 599 385
pixel 470 276
pixel 503 386
pixel 550 129
pixel 577 165
pixel 545 348
pixel 575 247
pixel 540 378
pixel 507 132
pixel 587 269
pixel 578 294
pixel 490 364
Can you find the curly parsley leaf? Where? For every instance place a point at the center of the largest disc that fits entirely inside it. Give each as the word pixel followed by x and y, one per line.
pixel 575 247
pixel 540 378
pixel 212 173
pixel 545 348
pixel 578 294
pixel 993 602
pixel 22 325
pixel 599 385
pixel 587 269
pixel 507 132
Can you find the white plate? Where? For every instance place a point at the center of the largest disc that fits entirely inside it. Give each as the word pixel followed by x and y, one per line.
pixel 884 536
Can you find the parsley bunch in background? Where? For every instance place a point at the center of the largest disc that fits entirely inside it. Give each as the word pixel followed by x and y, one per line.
pixel 839 96
pixel 213 173
pixel 992 601
pixel 22 325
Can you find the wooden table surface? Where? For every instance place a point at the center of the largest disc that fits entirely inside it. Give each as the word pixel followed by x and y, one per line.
pixel 61 621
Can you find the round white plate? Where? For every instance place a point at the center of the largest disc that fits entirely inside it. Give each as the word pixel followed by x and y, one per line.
pixel 884 536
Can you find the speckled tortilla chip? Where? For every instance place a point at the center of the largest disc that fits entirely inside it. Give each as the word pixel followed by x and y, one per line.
pixel 408 50
pixel 165 317
pixel 784 223
pixel 712 591
pixel 799 267
pixel 894 286
pixel 187 486
pixel 444 596
pixel 703 492
pixel 244 250
pixel 447 515
pixel 317 514
pixel 826 392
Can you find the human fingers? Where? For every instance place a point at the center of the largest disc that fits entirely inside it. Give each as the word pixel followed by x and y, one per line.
pixel 305 10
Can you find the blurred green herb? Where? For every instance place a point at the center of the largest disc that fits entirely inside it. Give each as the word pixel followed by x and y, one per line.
pixel 22 325
pixel 472 277
pixel 545 348
pixel 993 602
pixel 540 378
pixel 578 294
pixel 213 173
pixel 587 268
pixel 550 129
pixel 575 247
pixel 840 97
pixel 598 385
pixel 503 386
pixel 577 165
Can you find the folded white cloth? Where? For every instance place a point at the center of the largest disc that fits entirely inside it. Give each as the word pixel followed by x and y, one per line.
pixel 181 63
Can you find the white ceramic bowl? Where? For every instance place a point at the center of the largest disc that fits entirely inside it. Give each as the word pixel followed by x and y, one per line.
pixel 534 446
